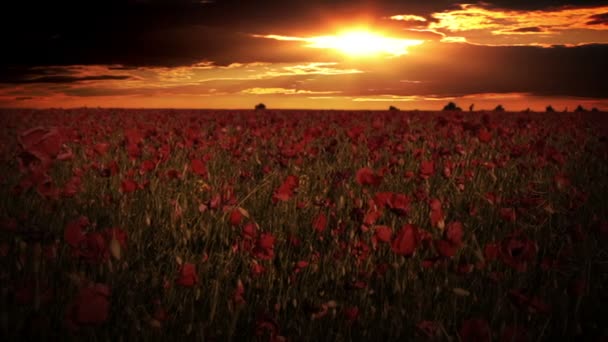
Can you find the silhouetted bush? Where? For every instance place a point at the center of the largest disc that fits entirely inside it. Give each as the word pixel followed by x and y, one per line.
pixel 550 109
pixel 580 109
pixel 452 107
pixel 393 109
pixel 499 108
pixel 260 106
pixel 595 110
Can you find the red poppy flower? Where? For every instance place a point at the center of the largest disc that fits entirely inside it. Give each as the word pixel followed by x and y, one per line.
pixel 508 214
pixel 491 251
pixel 399 204
pixel 445 248
pixel 264 324
pixel 436 215
pixel 351 313
pixel 366 176
pixel 250 231
pixel 562 181
pixel 147 166
pixel 236 217
pixel 91 306
pixel 484 135
pixel 73 233
pixel 133 151
pixel 93 248
pixel 360 250
pixel 516 250
pixel 383 233
pixel 101 148
pixel 529 303
pixel 187 275
pixel 72 187
pixel 428 329
pixel 406 241
pixel 453 233
pixel 45 144
pixel 257 269
pixel 372 216
pixel 133 136
pixel 286 190
pixel 198 167
pixel 513 333
pixel 320 223
pixel 492 198
pixel 238 295
pixel 476 330
pixel 427 168
pixel 128 186
pixel 381 199
pixel 264 248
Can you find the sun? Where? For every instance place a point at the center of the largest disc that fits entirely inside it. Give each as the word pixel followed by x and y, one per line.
pixel 361 43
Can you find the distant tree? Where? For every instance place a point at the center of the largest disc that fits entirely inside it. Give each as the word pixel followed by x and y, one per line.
pixel 499 108
pixel 393 109
pixel 550 109
pixel 527 110
pixel 595 110
pixel 580 109
pixel 452 107
pixel 471 107
pixel 260 106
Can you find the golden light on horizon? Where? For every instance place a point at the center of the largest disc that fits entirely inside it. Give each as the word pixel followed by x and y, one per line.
pixel 359 43
pixel 356 43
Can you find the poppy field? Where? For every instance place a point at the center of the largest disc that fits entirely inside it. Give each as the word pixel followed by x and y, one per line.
pixel 123 224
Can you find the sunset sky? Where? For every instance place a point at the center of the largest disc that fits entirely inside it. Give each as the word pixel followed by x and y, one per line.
pixel 345 54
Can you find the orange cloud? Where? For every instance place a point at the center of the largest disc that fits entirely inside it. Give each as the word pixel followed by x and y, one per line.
pixel 472 17
pixel 484 25
pixel 355 42
pixel 408 17
pixel 284 91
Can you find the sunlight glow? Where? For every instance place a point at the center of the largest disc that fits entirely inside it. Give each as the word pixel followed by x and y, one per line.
pixel 355 43
pixel 363 43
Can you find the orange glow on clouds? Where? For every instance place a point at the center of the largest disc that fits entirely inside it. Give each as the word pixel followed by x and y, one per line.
pixel 356 43
pixel 479 24
pixel 408 17
pixel 471 17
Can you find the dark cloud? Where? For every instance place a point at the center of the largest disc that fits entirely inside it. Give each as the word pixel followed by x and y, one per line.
pixel 598 19
pixel 23 98
pixel 65 79
pixel 527 29
pixel 122 68
pixel 539 4
pixel 42 41
pixel 182 32
pixel 462 69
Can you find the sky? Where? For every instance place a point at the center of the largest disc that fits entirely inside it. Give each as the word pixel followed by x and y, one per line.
pixel 307 54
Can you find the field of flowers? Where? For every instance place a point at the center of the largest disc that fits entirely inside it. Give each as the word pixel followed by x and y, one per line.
pixel 121 225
